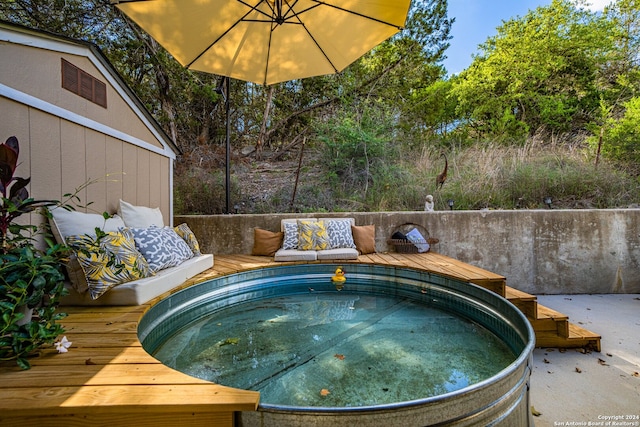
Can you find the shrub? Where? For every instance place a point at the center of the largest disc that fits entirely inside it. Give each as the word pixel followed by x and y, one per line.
pixel 622 140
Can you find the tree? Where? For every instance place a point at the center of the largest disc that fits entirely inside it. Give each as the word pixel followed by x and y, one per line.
pixel 539 71
pixel 621 76
pixel 433 110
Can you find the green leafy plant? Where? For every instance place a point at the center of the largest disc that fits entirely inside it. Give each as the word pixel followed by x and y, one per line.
pixel 621 134
pixel 31 279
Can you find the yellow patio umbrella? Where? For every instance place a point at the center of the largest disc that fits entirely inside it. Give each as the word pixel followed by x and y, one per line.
pixel 267 41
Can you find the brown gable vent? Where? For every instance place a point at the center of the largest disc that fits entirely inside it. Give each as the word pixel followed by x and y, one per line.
pixel 83 84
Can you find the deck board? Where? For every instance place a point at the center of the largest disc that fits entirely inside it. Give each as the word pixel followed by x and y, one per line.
pixel 84 356
pixel 107 378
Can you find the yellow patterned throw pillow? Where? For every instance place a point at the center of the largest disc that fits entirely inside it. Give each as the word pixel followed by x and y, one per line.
pixel 187 235
pixel 313 236
pixel 111 261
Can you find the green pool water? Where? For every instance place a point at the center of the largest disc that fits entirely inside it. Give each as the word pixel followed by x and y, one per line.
pixel 337 349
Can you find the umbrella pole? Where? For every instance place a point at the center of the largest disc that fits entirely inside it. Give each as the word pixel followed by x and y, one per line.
pixel 228 148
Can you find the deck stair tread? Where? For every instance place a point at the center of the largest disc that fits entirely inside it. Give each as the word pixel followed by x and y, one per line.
pixel 527 303
pixel 549 313
pixel 578 337
pixel 512 293
pixel 579 331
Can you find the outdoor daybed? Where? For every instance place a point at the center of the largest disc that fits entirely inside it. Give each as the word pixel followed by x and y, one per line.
pixel 151 258
pixel 312 239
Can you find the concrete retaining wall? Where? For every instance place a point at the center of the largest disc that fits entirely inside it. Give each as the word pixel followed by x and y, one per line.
pixel 539 251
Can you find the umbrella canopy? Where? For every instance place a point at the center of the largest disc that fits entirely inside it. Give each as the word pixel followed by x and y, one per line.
pixel 268 41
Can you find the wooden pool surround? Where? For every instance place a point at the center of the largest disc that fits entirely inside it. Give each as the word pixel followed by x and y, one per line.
pixel 107 378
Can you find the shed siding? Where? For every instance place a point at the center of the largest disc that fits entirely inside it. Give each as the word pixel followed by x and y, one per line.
pixel 67 140
pixel 72 159
pixel 61 156
pixel 40 75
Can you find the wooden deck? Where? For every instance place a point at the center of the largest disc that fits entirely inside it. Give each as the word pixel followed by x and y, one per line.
pixel 106 378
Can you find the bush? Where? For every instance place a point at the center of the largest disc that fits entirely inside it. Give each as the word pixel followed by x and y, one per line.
pixel 358 158
pixel 521 179
pixel 622 140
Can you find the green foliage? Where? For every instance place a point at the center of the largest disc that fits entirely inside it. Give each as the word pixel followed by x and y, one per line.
pixel 30 279
pixel 350 148
pixel 507 178
pixel 431 112
pixel 624 16
pixel 539 71
pixel 622 139
pixel 566 181
pixel 357 156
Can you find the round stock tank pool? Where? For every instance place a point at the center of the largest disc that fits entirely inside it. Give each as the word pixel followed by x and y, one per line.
pixel 390 346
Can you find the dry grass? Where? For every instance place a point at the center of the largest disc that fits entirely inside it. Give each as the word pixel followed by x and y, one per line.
pixel 495 176
pixel 481 176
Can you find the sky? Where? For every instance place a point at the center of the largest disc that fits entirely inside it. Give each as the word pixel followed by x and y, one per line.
pixel 476 20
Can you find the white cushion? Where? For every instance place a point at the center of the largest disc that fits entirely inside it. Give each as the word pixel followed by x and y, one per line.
pixel 72 223
pixel 295 255
pixel 339 253
pixel 140 216
pixel 144 290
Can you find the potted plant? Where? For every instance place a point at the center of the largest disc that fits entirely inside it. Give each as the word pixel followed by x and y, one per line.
pixel 31 278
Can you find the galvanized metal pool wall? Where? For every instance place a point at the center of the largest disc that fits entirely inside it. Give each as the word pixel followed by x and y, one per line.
pixel 501 400
pixel 539 251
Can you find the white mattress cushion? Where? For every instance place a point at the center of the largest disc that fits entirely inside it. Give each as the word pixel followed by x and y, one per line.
pixel 339 253
pixel 294 255
pixel 141 291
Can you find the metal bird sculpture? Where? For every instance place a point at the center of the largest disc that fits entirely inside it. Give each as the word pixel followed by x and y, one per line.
pixel 442 177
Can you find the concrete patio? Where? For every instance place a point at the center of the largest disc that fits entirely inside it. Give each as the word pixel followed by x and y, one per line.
pixel 571 388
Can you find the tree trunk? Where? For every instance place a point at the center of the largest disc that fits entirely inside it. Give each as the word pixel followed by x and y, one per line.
pixel 262 136
pixel 164 92
pixel 295 185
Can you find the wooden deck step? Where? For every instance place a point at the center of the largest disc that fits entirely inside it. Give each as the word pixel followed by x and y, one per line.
pixel 550 320
pixel 552 328
pixel 527 303
pixel 578 338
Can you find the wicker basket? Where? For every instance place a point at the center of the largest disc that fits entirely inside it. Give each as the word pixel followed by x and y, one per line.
pixel 403 246
pixel 406 247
